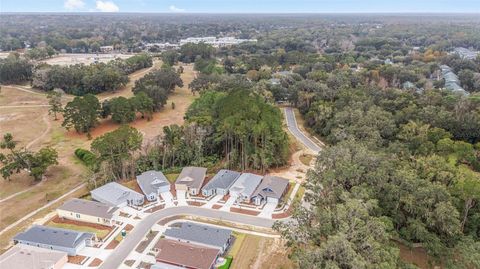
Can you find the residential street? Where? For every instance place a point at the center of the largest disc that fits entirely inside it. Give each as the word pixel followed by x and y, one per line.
pixel 293 128
pixel 141 229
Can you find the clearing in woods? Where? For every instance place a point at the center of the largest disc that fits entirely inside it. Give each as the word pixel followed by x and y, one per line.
pixel 27 125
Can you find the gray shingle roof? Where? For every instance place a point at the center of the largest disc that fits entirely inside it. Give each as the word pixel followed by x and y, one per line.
pixel 53 236
pixel 90 208
pixel 151 181
pixel 271 186
pixel 115 193
pixel 223 180
pixel 192 176
pixel 202 234
pixel 246 184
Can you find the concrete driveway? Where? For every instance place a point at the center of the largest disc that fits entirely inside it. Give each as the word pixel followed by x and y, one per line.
pixel 268 209
pixel 128 244
pixel 168 198
pixel 213 201
pixel 181 198
pixel 229 203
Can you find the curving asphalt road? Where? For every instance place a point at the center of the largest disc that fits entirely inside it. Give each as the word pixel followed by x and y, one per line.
pixel 293 128
pixel 127 245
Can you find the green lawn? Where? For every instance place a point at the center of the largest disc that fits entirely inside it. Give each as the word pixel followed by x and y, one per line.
pixel 100 233
pixel 227 263
pixel 172 177
pixel 299 194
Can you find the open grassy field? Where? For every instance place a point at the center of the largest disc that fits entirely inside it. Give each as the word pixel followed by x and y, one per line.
pixel 30 124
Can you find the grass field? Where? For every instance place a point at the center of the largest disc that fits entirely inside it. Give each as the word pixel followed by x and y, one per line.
pixel 306 159
pixel 100 233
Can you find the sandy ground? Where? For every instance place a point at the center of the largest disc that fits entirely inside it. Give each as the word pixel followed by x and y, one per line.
pixel 82 58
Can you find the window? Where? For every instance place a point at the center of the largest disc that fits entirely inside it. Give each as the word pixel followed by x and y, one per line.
pixel 77 215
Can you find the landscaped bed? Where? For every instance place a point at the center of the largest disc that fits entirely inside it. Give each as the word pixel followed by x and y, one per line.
pixel 96 262
pixel 244 211
pixel 76 259
pixel 143 245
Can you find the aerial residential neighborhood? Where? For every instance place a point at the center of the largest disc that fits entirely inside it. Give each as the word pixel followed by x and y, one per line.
pixel 239 134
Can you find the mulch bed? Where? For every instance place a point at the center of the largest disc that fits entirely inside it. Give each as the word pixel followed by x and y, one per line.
pixel 155 208
pixel 244 211
pixel 95 262
pixel 76 259
pixel 225 198
pixel 129 263
pixel 128 227
pixel 216 206
pixel 284 214
pixel 195 203
pixel 112 244
pixel 123 214
pixel 167 220
pixel 143 245
pixel 57 219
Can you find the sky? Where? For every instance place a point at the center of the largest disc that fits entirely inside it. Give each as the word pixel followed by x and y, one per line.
pixel 243 6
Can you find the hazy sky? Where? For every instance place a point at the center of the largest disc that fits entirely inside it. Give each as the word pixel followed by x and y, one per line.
pixel 241 6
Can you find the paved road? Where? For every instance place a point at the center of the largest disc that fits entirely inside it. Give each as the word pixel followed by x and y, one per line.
pixel 116 258
pixel 293 128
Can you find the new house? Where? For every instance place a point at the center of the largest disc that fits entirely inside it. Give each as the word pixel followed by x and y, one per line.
pixel 244 186
pixel 191 179
pixel 170 252
pixel 204 235
pixel 153 183
pixel 117 195
pixel 29 257
pixel 220 183
pixel 270 190
pixel 88 211
pixel 68 241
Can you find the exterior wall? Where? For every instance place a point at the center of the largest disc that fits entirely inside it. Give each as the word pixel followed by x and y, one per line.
pixel 152 197
pixel 208 192
pixel 257 200
pixel 193 191
pixel 61 263
pixel 82 217
pixel 69 251
pixel 222 191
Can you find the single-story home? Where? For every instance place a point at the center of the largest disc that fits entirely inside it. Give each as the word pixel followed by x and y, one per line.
pixel 191 179
pixel 271 189
pixel 88 211
pixel 29 257
pixel 153 183
pixel 203 235
pixel 186 255
pixel 117 195
pixel 220 183
pixel 244 186
pixel 68 241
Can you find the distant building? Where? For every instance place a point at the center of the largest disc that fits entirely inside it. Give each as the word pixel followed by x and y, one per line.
pixel 191 179
pixel 270 190
pixel 153 183
pixel 117 195
pixel 88 211
pixel 184 255
pixel 23 256
pixel 452 82
pixel 244 186
pixel 215 42
pixel 220 183
pixel 204 235
pixel 465 53
pixel 106 49
pixel 68 241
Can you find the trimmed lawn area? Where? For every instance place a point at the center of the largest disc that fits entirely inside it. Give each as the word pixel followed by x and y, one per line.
pixel 172 177
pixel 306 159
pixel 227 264
pixel 100 233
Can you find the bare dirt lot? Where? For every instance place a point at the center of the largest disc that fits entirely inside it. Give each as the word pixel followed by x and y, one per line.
pixel 84 58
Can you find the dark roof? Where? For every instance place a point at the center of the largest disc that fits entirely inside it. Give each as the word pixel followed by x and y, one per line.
pixel 151 181
pixel 90 208
pixel 223 179
pixel 192 176
pixel 202 234
pixel 185 254
pixel 53 236
pixel 271 186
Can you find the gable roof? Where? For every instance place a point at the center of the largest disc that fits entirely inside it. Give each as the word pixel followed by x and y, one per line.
pixel 151 181
pixel 271 186
pixel 23 256
pixel 90 208
pixel 223 180
pixel 53 236
pixel 202 234
pixel 185 254
pixel 246 184
pixel 192 176
pixel 115 193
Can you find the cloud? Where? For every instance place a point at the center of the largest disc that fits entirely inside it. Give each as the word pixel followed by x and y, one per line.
pixel 176 9
pixel 106 6
pixel 73 4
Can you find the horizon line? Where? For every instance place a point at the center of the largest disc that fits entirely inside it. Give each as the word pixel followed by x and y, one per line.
pixel 248 13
